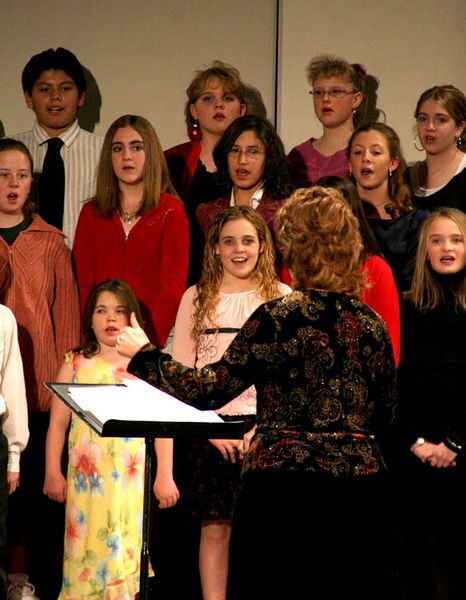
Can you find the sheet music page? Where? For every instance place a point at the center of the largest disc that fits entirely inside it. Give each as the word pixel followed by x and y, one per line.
pixel 137 401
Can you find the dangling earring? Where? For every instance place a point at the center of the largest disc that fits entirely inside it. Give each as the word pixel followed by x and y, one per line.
pixel 421 149
pixel 194 132
pixel 459 142
pixel 390 173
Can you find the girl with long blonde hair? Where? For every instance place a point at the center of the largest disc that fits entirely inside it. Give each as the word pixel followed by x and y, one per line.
pixel 238 275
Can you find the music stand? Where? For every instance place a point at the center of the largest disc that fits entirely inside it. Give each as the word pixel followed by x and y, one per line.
pixel 139 418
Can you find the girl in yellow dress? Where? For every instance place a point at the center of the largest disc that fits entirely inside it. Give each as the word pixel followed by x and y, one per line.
pixel 104 487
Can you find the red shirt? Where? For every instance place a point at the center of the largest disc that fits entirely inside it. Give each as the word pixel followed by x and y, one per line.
pixel 152 260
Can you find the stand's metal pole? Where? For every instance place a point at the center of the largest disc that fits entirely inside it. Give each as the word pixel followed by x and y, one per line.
pixel 144 569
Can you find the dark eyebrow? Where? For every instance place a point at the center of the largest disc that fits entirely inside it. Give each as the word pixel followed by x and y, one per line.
pixel 131 142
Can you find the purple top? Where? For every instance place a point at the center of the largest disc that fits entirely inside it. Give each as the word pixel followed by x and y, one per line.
pixel 307 166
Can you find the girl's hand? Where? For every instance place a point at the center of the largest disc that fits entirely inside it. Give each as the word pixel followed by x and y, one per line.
pixel 55 487
pixel 227 448
pixel 166 491
pixel 13 481
pixel 131 338
pixel 244 444
pixel 442 456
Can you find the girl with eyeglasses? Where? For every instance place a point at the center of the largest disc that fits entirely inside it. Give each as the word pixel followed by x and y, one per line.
pixel 337 89
pixel 250 159
pixel 440 179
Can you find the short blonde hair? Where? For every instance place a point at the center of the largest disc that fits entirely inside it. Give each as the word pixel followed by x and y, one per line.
pixel 228 76
pixel 319 238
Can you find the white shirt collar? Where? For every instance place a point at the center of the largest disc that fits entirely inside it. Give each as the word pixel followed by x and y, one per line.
pixel 255 198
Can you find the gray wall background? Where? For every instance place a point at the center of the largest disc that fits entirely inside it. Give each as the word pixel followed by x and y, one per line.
pixel 142 55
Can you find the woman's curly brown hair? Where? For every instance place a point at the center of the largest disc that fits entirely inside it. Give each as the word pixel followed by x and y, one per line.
pixel 320 242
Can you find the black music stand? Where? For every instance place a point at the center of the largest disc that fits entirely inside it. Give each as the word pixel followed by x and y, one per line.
pixel 149 430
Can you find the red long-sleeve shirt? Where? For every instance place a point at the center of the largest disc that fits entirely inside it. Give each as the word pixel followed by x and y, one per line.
pixel 152 260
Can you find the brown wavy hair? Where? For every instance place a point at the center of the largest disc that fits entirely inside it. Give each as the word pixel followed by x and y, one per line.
pixel 426 293
pixel 211 278
pixel 398 190
pixel 229 78
pixel 320 242
pixel 156 176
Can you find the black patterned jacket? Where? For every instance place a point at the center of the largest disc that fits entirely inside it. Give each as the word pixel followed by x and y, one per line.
pixel 323 368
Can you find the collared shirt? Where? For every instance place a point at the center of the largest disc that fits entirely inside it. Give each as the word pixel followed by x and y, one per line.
pixel 253 202
pixel 81 153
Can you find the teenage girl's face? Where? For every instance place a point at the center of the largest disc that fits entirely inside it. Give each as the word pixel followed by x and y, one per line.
pixel 238 249
pixel 128 156
pixel 437 130
pixel 445 246
pixel 370 160
pixel 15 181
pixel 109 318
pixel 246 161
pixel 215 108
pixel 333 112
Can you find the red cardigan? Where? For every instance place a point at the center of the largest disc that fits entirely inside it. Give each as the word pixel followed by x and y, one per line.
pixel 382 297
pixel 182 161
pixel 153 260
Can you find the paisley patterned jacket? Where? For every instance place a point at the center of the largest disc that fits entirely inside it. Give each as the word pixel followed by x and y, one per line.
pixel 323 368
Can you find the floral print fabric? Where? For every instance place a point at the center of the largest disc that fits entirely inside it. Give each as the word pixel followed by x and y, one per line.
pixel 322 364
pixel 103 532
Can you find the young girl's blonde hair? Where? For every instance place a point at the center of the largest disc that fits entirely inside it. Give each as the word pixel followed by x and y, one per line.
pixel 426 292
pixel 212 269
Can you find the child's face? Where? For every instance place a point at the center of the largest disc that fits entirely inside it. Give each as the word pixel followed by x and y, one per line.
pixel 370 160
pixel 55 100
pixel 109 318
pixel 215 108
pixel 445 246
pixel 333 112
pixel 15 181
pixel 128 156
pixel 247 167
pixel 238 249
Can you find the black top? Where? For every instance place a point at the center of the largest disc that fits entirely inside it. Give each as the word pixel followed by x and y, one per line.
pixel 203 189
pixel 9 234
pixel 432 372
pixel 398 239
pixel 453 194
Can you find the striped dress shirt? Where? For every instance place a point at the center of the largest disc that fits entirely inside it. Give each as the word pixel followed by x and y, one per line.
pixel 81 153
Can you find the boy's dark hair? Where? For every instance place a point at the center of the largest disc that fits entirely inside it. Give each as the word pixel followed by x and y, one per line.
pixel 59 59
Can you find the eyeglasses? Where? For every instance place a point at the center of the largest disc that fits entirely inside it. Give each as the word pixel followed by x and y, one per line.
pixel 249 153
pixel 333 93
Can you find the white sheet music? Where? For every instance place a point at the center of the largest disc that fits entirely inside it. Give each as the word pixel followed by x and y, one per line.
pixel 137 401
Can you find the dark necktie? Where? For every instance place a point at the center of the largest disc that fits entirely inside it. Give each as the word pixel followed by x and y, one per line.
pixel 52 184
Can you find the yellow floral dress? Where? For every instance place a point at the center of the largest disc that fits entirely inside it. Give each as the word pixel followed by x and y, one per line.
pixel 104 504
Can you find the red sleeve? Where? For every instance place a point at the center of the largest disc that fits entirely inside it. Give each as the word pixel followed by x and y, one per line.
pixel 382 297
pixel 84 252
pixel 173 270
